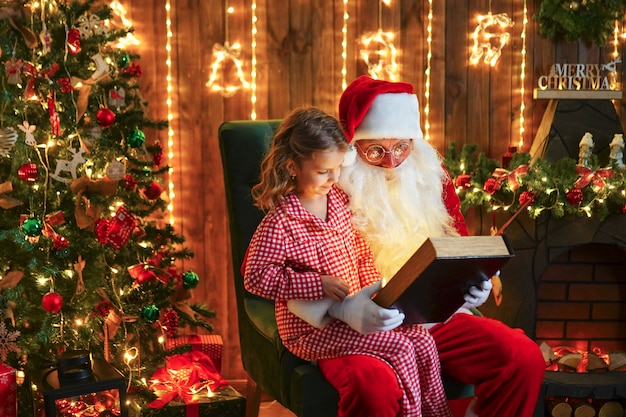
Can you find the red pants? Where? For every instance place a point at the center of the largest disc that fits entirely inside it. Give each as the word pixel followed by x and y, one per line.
pixel 505 366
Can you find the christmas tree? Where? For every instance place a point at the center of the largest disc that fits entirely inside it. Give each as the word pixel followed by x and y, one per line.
pixel 87 260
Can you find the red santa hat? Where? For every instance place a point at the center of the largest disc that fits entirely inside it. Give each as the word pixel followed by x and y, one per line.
pixel 377 109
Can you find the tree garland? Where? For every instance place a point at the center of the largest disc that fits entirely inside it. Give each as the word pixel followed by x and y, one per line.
pixel 575 20
pixel 560 188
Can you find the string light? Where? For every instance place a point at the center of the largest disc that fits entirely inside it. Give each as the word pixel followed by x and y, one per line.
pixel 129 40
pixel 484 46
pixel 381 58
pixel 344 46
pixel 222 54
pixel 522 76
pixel 429 55
pixel 253 67
pixel 170 117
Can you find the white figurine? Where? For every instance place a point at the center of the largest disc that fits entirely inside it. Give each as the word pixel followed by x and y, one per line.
pixel 617 150
pixel 585 147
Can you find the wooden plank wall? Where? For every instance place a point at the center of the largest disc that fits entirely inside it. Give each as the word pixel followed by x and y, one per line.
pixel 299 63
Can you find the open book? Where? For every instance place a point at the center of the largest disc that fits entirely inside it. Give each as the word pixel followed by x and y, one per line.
pixel 430 286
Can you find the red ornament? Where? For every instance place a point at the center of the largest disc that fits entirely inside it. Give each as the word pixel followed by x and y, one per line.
pixel 145 275
pixel 73 41
pixel 153 191
pixel 574 197
pixel 105 117
pixel 28 172
pixel 52 302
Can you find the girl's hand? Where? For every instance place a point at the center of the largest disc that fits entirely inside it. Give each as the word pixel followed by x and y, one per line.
pixel 334 287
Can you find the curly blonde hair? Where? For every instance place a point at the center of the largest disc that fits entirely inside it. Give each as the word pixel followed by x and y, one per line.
pixel 302 132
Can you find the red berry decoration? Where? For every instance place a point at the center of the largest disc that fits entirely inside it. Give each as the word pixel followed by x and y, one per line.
pixel 52 302
pixel 28 172
pixel 153 191
pixel 105 117
pixel 170 321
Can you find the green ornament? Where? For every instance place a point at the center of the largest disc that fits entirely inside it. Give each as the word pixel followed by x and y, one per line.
pixel 150 313
pixel 123 61
pixel 32 227
pixel 136 139
pixel 190 280
pixel 147 172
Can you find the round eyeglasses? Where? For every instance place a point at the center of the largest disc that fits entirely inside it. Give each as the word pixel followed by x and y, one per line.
pixel 376 153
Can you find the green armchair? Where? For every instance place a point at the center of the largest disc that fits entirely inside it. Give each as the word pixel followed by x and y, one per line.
pixel 296 384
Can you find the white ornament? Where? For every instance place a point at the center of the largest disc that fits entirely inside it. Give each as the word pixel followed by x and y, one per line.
pixel 585 147
pixel 617 150
pixel 90 25
pixel 28 130
pixel 116 170
pixel 8 137
pixel 102 68
pixel 68 166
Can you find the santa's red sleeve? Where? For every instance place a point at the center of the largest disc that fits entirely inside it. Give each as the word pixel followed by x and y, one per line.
pixel 453 204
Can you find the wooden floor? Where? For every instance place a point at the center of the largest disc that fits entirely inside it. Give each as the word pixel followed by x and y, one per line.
pixel 269 407
pixel 274 409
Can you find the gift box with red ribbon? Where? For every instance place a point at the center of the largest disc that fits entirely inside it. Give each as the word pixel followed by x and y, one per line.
pixel 210 344
pixel 189 385
pixel 8 391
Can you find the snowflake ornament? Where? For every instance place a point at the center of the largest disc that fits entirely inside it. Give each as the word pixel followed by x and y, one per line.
pixel 8 341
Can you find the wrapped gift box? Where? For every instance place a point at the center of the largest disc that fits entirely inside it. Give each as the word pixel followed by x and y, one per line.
pixel 226 402
pixel 210 344
pixel 8 391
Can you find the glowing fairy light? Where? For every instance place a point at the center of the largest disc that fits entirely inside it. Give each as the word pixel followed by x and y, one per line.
pixel 253 64
pixel 379 52
pixel 222 54
pixel 344 46
pixel 429 43
pixel 522 76
pixel 170 116
pixel 129 40
pixel 489 37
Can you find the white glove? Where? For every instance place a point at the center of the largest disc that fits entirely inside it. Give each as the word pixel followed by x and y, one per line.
pixel 364 315
pixel 314 312
pixel 477 296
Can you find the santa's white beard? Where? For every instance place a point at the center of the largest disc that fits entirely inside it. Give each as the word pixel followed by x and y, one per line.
pixel 397 209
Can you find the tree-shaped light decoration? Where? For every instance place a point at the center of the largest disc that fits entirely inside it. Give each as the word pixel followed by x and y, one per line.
pixel 379 52
pixel 124 23
pixel 227 69
pixel 490 36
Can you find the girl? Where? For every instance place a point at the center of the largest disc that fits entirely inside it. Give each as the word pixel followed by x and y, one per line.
pixel 307 249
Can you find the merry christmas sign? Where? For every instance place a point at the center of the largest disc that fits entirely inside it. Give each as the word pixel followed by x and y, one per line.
pixel 580 77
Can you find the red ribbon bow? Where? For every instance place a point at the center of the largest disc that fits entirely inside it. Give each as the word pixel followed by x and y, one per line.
pixel 184 377
pixel 512 177
pixel 33 75
pixel 596 178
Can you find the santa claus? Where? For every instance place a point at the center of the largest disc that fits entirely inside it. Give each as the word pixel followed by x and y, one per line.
pixel 400 195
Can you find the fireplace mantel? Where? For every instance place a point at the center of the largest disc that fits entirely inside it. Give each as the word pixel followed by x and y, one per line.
pixel 536 243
